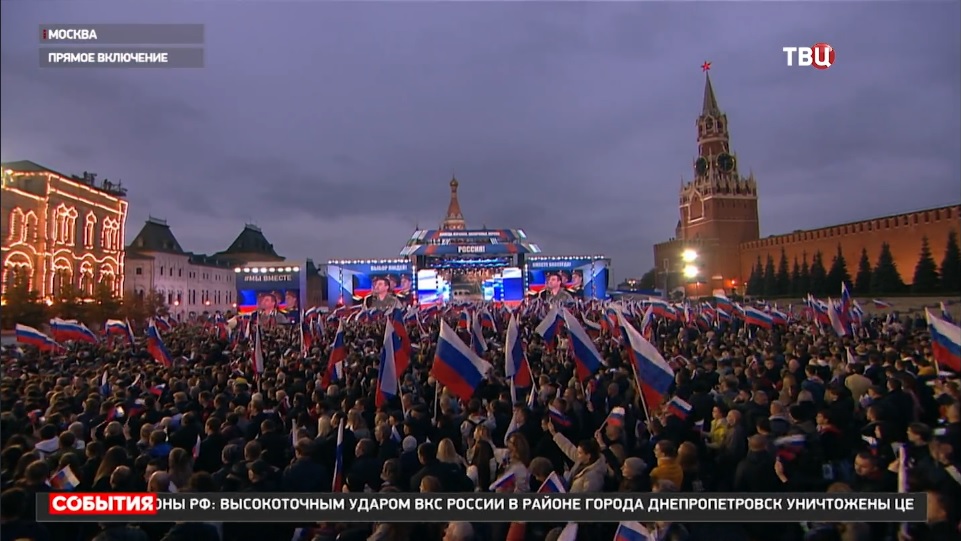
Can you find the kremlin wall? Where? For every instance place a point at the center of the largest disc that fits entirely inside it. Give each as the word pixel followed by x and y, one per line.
pixel 719 222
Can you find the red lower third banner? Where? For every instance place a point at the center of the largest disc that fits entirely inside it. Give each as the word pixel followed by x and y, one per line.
pixel 553 507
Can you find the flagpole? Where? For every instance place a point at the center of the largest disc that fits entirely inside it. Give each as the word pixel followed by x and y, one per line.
pixel 436 399
pixel 513 392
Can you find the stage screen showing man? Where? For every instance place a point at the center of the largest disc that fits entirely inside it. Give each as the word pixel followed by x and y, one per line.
pixel 579 277
pixel 360 283
pixel 281 304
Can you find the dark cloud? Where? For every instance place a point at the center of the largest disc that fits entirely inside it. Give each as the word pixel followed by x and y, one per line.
pixel 336 126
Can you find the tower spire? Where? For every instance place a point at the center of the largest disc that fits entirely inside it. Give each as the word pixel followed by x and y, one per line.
pixel 455 218
pixel 710 107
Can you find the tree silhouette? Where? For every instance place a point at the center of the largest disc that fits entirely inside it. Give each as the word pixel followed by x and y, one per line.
pixel 796 289
pixel 105 305
pixel 138 308
pixel 22 304
pixel 925 272
pixel 885 278
pixel 819 276
pixel 951 265
pixel 862 282
pixel 755 284
pixel 805 277
pixel 68 303
pixel 649 280
pixel 770 278
pixel 838 274
pixel 783 278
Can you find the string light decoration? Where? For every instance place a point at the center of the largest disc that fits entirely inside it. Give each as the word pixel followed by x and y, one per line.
pixel 44 225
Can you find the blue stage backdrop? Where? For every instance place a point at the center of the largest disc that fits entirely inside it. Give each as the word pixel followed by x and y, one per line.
pixel 271 289
pixel 584 277
pixel 349 282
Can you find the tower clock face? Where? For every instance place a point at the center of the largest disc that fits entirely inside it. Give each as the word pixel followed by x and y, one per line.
pixel 700 166
pixel 725 162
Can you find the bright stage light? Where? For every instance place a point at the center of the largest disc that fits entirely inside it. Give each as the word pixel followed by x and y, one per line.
pixel 688 256
pixel 690 271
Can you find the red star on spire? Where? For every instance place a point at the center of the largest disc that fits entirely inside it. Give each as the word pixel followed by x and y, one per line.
pixel 706 66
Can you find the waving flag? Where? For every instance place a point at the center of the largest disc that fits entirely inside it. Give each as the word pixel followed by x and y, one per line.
pixel 587 359
pixel 593 329
pixel 456 366
pixel 403 350
pixel 559 419
pixel 477 343
pixel 945 314
pixel 616 417
pixel 753 316
pixel 552 485
pixel 156 347
pixel 879 304
pixel 778 317
pixel 516 367
pixel 335 363
pixel 789 447
pixel 119 328
pixel 387 371
pixel 654 375
pixel 838 321
pixel 64 480
pixel 550 325
pixel 633 531
pixel 338 484
pixel 487 319
pixel 258 352
pixel 71 331
pixel 33 337
pixel 463 319
pixel 945 342
pixel 663 309
pixel 680 408
pixel 723 303
pixel 508 481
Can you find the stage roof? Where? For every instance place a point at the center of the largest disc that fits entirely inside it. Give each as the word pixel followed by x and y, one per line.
pixel 469 241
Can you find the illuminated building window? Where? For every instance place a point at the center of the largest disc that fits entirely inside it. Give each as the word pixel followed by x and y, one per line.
pixel 29 232
pixel 64 225
pixel 90 230
pixel 61 278
pixel 108 277
pixel 17 224
pixel 17 271
pixel 110 236
pixel 86 278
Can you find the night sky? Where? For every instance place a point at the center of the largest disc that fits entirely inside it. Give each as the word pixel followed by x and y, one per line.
pixel 336 127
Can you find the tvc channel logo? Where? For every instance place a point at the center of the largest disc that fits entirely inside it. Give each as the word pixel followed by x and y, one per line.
pixel 819 55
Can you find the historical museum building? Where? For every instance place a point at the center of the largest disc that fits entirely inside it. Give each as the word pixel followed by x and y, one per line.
pixel 61 230
pixel 717 241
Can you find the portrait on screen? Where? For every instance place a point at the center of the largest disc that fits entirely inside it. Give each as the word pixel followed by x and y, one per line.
pixel 269 305
pixel 576 284
pixel 382 295
pixel 554 291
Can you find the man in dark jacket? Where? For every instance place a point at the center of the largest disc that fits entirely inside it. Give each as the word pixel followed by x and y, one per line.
pixel 450 478
pixel 305 474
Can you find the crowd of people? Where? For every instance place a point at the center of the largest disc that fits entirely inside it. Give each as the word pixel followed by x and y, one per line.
pixel 117 420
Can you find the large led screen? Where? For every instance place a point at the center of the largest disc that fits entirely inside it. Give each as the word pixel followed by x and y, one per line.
pixel 504 284
pixel 271 293
pixel 373 284
pixel 582 277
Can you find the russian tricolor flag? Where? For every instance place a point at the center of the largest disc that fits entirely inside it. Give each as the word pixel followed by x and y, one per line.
pixel 593 329
pixel 788 447
pixel 558 418
pixel 663 309
pixel 258 352
pixel 477 343
pixel 403 349
pixel 33 337
pixel 338 484
pixel 587 359
pixel 456 366
pixel 616 417
pixel 552 485
pixel 837 319
pixel 945 314
pixel 120 328
pixel 550 325
pixel 156 347
pixel 487 320
pixel 463 319
pixel 654 375
pixel 680 408
pixel 879 304
pixel 945 342
pixel 335 362
pixel 753 316
pixel 778 317
pixel 723 303
pixel 508 481
pixel 516 367
pixel 63 331
pixel 387 372
pixel 633 531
